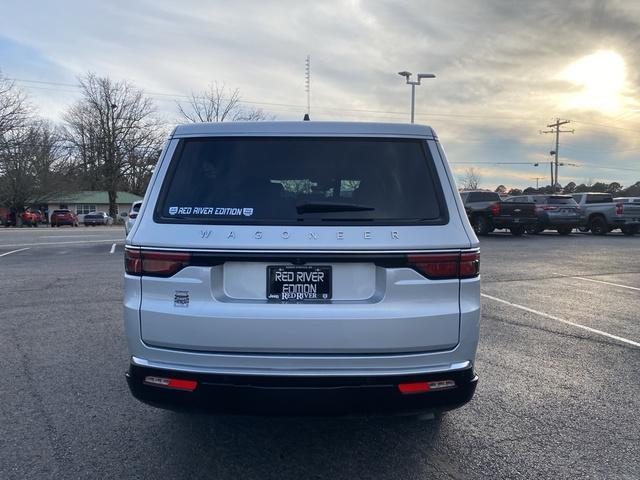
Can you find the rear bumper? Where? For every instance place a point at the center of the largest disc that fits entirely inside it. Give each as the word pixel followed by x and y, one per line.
pixel 301 395
pixel 508 222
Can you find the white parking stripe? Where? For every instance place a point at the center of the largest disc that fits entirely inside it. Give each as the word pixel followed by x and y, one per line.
pixel 113 249
pixel 606 283
pixel 557 319
pixel 13 251
pixel 117 240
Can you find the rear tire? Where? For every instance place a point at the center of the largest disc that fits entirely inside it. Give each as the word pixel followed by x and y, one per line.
pixel 534 229
pixel 517 231
pixel 629 231
pixel 583 229
pixel 482 225
pixel 565 230
pixel 598 226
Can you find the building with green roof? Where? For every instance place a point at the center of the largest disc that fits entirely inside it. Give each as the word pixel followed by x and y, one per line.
pixel 87 201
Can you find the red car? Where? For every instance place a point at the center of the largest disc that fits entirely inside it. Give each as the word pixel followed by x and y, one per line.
pixel 63 217
pixel 30 218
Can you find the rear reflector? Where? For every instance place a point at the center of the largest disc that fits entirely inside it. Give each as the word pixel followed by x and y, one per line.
pixel 175 383
pixel 421 387
pixel 413 387
pixel 439 266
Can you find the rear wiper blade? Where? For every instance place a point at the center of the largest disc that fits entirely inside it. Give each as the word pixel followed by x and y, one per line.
pixel 322 207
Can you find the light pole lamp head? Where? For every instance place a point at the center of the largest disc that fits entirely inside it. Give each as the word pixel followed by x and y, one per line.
pixel 426 75
pixel 405 74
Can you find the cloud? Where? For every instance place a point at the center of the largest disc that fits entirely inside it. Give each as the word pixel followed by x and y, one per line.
pixel 497 62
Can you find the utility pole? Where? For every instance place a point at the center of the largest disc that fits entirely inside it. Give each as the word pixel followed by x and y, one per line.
pixel 536 179
pixel 555 128
pixel 307 82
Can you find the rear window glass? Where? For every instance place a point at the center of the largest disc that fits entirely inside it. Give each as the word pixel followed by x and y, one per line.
pixel 596 198
pixel 483 197
pixel 560 201
pixel 61 211
pixel 136 207
pixel 301 180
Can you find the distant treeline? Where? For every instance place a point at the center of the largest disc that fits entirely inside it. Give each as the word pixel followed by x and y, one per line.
pixel 613 188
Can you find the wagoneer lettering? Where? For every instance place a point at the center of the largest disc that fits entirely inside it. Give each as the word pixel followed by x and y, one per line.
pixel 337 269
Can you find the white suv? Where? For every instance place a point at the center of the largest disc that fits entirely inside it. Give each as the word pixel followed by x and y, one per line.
pixel 302 267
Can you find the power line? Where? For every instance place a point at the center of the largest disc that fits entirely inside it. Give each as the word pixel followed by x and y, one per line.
pixel 557 131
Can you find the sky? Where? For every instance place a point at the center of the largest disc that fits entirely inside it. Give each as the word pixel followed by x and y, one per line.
pixel 504 69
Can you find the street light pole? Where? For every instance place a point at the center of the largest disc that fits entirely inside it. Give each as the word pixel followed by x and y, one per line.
pixel 413 84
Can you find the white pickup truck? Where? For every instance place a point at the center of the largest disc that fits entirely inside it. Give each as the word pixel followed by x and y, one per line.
pixel 602 214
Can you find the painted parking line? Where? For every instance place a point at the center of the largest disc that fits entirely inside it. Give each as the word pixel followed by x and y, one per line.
pixel 561 320
pixel 607 283
pixel 113 249
pixel 117 240
pixel 13 251
pixel 71 236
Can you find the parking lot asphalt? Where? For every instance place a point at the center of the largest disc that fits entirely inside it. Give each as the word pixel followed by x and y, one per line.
pixel 558 397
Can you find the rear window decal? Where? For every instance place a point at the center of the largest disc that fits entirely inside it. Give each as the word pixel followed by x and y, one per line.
pixel 220 211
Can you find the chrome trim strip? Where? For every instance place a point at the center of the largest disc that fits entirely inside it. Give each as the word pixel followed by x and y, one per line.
pixel 303 372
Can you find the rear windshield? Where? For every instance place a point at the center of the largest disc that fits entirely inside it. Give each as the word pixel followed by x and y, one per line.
pixel 136 207
pixel 599 198
pixel 301 180
pixel 61 211
pixel 561 201
pixel 483 197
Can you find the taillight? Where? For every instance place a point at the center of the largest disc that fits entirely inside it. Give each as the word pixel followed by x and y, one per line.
pixel 549 207
pixel 495 209
pixel 133 215
pixel 439 266
pixel 154 263
pixel 619 207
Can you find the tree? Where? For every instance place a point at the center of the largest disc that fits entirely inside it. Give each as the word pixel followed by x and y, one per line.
pixel 113 130
pixel 632 190
pixel 570 187
pixel 33 166
pixel 501 189
pixel 614 188
pixel 218 104
pixel 514 191
pixel 471 179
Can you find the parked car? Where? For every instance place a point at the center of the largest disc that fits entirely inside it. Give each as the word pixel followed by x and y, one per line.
pixel 131 217
pixel 487 212
pixel 97 218
pixel 276 268
pixel 555 212
pixel 30 218
pixel 601 213
pixel 63 217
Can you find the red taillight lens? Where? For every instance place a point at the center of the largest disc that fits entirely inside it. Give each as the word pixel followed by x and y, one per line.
pixel 153 263
pixel 440 266
pixel 549 208
pixel 436 265
pixel 132 262
pixel 495 209
pixel 469 265
pixel 619 207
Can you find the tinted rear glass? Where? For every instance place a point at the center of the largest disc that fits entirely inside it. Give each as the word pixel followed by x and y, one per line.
pixel 597 198
pixel 483 197
pixel 136 207
pixel 561 201
pixel 301 180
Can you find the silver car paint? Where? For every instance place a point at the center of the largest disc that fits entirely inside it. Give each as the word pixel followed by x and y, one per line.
pixel 383 321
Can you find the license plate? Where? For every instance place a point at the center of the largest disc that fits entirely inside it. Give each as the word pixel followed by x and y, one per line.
pixel 298 283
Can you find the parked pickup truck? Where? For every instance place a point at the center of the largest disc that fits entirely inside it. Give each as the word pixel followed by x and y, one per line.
pixel 601 213
pixel 486 212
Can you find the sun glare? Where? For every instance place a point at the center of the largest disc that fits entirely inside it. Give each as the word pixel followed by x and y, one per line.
pixel 602 76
